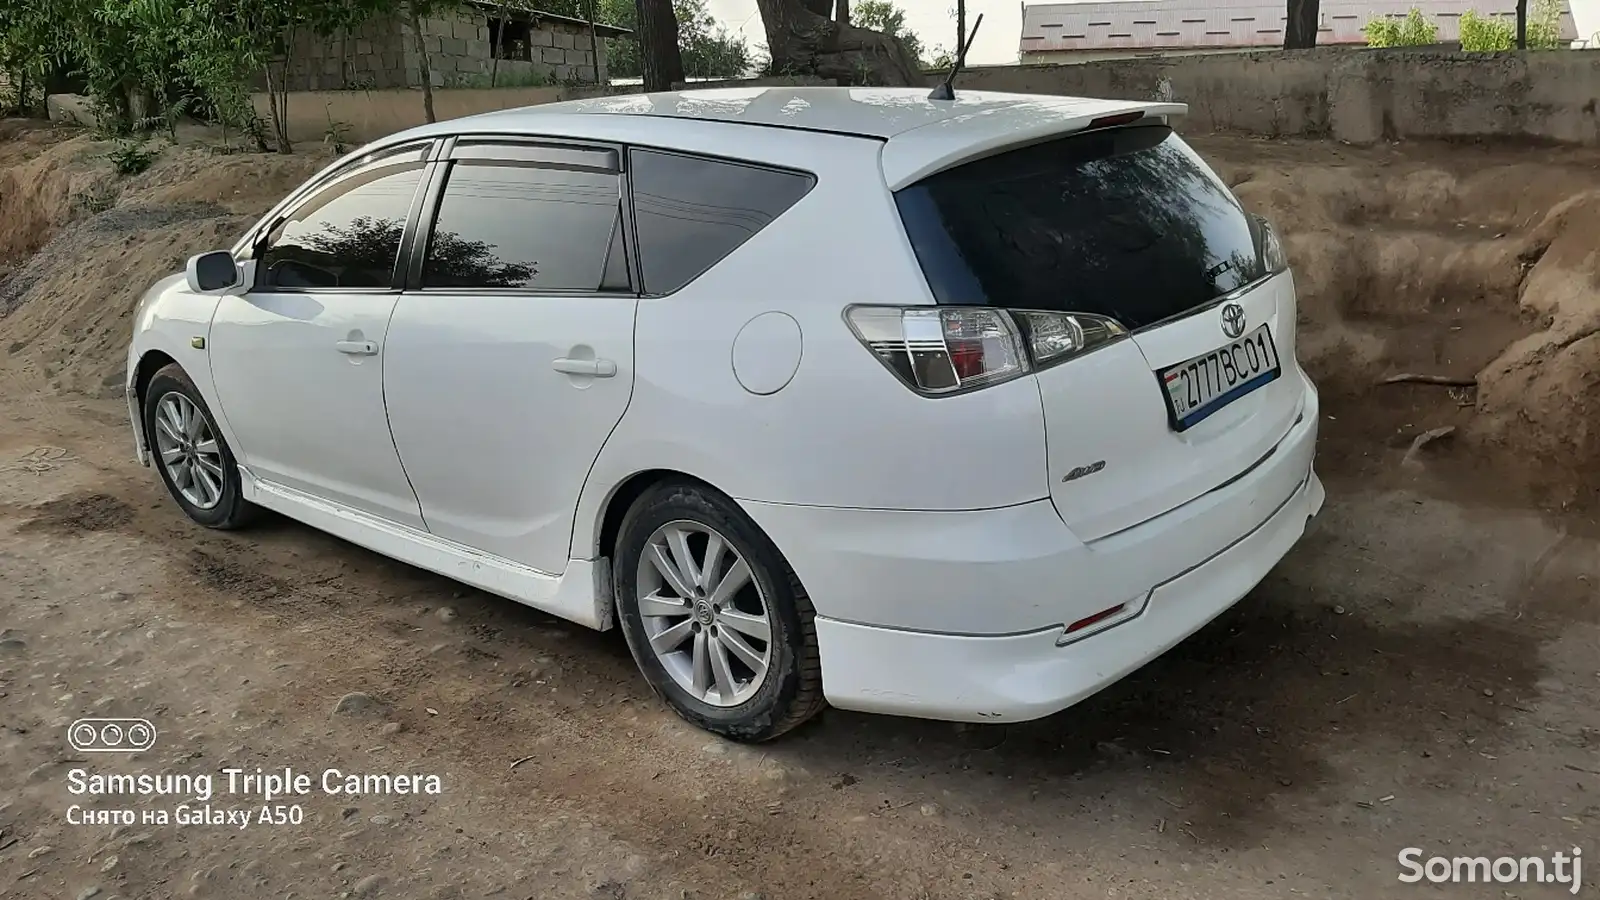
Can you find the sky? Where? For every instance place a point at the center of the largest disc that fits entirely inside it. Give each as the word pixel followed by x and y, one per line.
pixel 934 21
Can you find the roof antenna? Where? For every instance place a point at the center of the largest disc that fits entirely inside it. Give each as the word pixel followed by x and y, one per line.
pixel 946 90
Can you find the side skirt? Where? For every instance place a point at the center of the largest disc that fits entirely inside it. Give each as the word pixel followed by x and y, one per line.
pixel 581 594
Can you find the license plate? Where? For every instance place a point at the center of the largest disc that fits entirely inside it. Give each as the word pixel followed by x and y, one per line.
pixel 1198 387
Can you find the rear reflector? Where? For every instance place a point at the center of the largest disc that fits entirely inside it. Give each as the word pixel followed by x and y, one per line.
pixel 1097 617
pixel 1103 620
pixel 1118 119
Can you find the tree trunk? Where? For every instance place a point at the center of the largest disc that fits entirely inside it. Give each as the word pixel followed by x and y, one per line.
pixel 1301 30
pixel 1522 24
pixel 804 42
pixel 961 29
pixel 280 128
pixel 594 44
pixel 497 45
pixel 423 69
pixel 841 12
pixel 660 57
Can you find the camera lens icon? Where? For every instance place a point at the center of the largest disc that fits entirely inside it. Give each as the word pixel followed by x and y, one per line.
pixel 111 735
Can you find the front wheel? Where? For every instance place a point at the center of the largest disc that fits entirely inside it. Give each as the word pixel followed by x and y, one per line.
pixel 716 620
pixel 193 459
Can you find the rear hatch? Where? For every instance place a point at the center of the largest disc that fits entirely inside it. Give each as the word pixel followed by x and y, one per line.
pixel 1130 224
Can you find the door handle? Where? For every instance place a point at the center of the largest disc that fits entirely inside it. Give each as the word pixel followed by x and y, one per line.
pixel 598 368
pixel 357 348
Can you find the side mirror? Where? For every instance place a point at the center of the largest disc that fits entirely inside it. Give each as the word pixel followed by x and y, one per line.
pixel 212 273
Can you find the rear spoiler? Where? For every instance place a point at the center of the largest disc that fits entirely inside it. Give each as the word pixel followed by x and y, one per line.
pixel 913 155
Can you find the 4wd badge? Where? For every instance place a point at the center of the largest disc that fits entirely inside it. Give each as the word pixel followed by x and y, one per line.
pixel 1082 471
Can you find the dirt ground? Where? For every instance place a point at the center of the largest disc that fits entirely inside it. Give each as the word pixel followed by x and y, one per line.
pixel 1422 671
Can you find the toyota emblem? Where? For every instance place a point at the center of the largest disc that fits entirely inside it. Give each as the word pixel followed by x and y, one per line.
pixel 1232 320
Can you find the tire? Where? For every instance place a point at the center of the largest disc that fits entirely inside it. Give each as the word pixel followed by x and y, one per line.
pixel 226 509
pixel 760 708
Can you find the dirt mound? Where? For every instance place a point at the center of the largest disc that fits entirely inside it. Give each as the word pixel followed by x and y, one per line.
pixel 1540 399
pixel 1440 261
pixel 97 241
pixel 46 176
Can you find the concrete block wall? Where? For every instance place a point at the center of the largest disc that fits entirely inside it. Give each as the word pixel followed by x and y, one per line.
pixel 459 53
pixel 382 54
pixel 369 56
pixel 1351 94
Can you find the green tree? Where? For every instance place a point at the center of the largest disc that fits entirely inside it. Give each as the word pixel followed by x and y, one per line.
pixel 885 16
pixel 1494 33
pixel 1415 30
pixel 1490 34
pixel 709 48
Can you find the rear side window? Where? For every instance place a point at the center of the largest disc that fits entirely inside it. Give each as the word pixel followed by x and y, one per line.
pixel 508 225
pixel 691 212
pixel 1128 223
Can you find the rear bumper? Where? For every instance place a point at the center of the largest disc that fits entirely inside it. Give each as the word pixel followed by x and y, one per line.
pixel 1015 678
pixel 964 615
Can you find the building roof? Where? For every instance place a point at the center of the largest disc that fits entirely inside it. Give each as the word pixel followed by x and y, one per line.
pixel 1187 24
pixel 537 14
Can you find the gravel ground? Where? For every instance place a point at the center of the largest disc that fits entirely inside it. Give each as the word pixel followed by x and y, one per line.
pixel 1416 674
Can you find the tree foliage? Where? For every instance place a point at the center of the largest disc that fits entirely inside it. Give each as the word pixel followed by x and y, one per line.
pixel 148 62
pixel 885 16
pixel 710 49
pixel 1492 33
pixel 1414 30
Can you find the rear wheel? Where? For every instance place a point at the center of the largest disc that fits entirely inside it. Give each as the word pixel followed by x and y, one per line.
pixel 193 459
pixel 717 622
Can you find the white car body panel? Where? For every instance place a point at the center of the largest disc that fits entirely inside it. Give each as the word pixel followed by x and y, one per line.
pixel 1019 677
pixel 316 420
pixel 943 551
pixel 1150 468
pixel 168 322
pixel 497 443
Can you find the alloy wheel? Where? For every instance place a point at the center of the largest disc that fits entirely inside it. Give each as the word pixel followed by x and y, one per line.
pixel 189 451
pixel 706 618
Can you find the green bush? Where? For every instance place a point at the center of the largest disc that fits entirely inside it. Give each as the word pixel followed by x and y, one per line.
pixel 1496 33
pixel 1415 30
pixel 131 157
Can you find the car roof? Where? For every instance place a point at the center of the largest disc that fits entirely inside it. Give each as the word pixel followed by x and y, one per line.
pixel 922 135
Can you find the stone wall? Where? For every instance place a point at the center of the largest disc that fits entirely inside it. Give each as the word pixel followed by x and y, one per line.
pixel 382 54
pixel 1356 95
pixel 371 56
pixel 459 52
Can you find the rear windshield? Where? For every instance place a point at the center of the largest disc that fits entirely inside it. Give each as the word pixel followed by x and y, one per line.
pixel 1128 223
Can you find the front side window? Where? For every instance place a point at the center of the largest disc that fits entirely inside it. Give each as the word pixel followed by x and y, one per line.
pixel 347 236
pixel 691 212
pixel 510 225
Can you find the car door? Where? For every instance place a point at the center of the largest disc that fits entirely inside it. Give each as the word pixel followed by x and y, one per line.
pixel 298 359
pixel 510 355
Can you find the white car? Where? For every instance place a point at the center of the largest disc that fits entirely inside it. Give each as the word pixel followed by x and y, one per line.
pixel 958 409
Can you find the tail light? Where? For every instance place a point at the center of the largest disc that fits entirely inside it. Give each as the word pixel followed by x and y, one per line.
pixel 940 350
